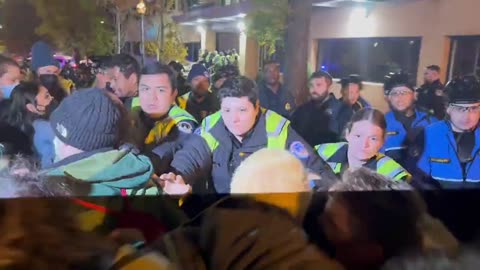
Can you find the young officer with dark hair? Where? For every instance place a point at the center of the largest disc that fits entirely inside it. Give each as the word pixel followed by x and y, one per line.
pixel 405 122
pixel 159 125
pixel 431 95
pixel 239 129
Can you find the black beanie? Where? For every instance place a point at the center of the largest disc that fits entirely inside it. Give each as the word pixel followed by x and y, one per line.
pixel 87 120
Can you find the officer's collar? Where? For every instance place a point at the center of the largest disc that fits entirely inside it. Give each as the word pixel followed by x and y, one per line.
pixel 341 156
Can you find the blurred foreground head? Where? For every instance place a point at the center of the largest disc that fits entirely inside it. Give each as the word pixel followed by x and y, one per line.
pixel 276 177
pixel 42 233
pixel 21 179
pixel 369 218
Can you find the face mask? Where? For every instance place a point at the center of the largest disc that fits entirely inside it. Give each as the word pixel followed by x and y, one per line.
pixel 47 110
pixel 7 90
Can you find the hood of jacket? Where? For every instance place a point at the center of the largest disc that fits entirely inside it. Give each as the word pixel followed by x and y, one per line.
pixel 107 171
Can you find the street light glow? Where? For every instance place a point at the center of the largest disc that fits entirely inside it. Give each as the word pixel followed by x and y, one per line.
pixel 102 22
pixel 1 26
pixel 141 8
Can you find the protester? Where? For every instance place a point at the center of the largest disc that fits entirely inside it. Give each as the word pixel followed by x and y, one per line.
pixel 272 94
pixel 200 101
pixel 285 172
pixel 368 228
pixel 431 95
pixel 365 135
pixel 29 112
pixel 87 126
pixel 44 63
pixel 10 76
pixel 56 226
pixel 123 73
pixel 265 237
pixel 239 129
pixel 316 121
pixel 450 156
pixel 13 142
pixel 405 122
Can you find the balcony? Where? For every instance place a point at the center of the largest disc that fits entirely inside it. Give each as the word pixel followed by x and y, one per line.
pixel 200 4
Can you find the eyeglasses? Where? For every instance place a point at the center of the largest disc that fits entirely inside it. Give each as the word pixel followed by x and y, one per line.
pixel 462 109
pixel 400 93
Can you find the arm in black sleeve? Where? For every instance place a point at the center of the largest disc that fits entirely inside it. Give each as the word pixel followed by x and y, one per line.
pixel 193 160
pixel 310 159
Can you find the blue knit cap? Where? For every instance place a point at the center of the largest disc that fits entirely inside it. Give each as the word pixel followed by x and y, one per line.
pixel 42 56
pixel 198 70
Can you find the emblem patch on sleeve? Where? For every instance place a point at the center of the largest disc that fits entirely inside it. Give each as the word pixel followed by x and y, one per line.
pixel 298 149
pixel 185 127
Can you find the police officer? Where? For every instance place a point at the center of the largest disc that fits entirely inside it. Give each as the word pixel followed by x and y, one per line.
pixel 222 74
pixel 405 122
pixel 351 87
pixel 239 129
pixel 351 101
pixel 451 155
pixel 364 135
pixel 431 95
pixel 200 101
pixel 316 121
pixel 159 116
pixel 272 94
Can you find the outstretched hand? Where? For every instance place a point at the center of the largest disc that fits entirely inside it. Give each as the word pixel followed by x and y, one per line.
pixel 173 184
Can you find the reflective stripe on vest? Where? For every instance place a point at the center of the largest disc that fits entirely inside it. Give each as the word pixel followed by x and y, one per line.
pixel 178 115
pixel 390 168
pixel 385 165
pixel 135 103
pixel 327 150
pixel 182 101
pixel 276 127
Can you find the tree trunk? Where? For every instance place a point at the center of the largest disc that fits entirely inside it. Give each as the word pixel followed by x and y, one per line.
pixel 296 53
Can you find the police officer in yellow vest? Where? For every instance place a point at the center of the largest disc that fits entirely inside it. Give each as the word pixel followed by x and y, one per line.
pixel 239 129
pixel 365 136
pixel 200 101
pixel 159 123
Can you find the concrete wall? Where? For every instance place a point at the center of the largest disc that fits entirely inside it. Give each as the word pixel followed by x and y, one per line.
pixel 432 20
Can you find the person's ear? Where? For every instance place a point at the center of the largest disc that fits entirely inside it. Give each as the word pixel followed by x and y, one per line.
pixel 133 78
pixel 175 93
pixel 30 107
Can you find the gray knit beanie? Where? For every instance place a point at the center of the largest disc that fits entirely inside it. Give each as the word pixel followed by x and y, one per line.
pixel 87 120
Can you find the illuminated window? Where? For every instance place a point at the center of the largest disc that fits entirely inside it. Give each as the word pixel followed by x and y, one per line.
pixel 371 58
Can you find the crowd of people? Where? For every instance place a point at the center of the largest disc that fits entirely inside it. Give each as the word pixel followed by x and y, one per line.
pixel 143 154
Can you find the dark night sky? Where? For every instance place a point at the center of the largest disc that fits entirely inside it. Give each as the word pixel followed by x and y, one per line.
pixel 19 21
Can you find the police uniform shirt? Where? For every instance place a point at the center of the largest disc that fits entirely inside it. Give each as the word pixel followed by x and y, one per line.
pixel 431 98
pixel 319 122
pixel 281 102
pixel 200 110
